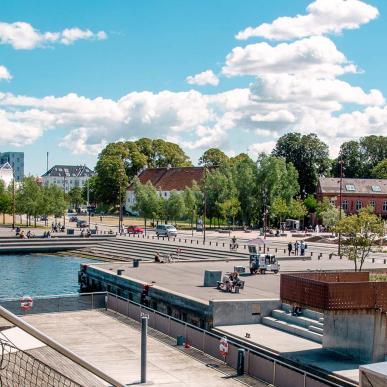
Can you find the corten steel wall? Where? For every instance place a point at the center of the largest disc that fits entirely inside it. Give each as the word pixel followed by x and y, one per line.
pixel 333 291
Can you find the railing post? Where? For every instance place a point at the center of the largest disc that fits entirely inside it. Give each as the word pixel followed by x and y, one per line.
pixel 274 365
pixel 144 332
pixel 92 301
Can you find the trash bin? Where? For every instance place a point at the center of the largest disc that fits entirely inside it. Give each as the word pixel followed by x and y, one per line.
pixel 136 262
pixel 180 340
pixel 70 231
pixel 93 231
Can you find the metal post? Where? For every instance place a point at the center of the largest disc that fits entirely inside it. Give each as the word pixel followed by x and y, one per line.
pixel 144 329
pixel 13 200
pixel 341 203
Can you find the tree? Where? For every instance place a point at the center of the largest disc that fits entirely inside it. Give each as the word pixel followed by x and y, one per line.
pixel 147 200
pixel 310 204
pixel 309 155
pixel 75 197
pixel 360 232
pixel 174 206
pixel 322 206
pixel 111 181
pixel 193 201
pixel 279 209
pixel 297 209
pixel 5 200
pixel 330 216
pixel 213 157
pixel 379 171
pixel 230 209
pixel 27 198
pixel 91 187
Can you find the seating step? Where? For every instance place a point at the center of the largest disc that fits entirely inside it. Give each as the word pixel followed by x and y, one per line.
pixel 313 328
pixel 305 312
pixel 297 320
pixel 293 329
pixel 321 320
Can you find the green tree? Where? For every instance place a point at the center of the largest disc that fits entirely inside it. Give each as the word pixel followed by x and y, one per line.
pixel 5 200
pixel 174 206
pixel 379 171
pixel 308 154
pixel 193 201
pixel 91 187
pixel 75 197
pixel 359 234
pixel 213 157
pixel 330 216
pixel 147 200
pixel 27 198
pixel 111 181
pixel 322 206
pixel 311 204
pixel 279 209
pixel 230 209
pixel 297 209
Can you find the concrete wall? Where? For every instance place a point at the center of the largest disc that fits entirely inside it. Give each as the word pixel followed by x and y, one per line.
pixel 232 312
pixel 359 334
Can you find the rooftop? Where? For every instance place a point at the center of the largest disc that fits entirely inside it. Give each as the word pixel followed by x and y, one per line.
pixel 69 171
pixel 352 186
pixel 174 178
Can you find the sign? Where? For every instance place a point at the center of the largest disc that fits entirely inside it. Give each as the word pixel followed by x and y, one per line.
pixel 223 346
pixel 26 303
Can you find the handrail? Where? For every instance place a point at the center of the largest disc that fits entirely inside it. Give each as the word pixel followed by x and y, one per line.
pixel 57 347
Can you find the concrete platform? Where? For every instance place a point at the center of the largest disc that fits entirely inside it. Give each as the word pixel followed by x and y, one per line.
pixel 114 346
pixel 297 349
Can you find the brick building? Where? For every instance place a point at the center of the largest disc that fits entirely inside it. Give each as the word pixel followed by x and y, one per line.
pixel 356 193
pixel 166 180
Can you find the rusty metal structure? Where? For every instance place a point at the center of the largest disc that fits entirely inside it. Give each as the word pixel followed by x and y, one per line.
pixel 326 291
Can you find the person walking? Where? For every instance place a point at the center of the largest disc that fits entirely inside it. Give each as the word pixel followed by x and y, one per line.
pixel 296 247
pixel 290 248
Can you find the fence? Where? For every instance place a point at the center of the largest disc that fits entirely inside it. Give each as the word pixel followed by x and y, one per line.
pixel 333 291
pixel 259 365
pixel 58 303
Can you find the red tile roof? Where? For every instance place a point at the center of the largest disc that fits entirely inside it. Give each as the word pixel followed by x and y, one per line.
pixel 168 179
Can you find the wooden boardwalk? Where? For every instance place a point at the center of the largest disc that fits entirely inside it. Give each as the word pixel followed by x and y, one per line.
pixel 112 343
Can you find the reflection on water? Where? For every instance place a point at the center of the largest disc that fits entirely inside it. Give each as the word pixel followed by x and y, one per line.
pixel 38 275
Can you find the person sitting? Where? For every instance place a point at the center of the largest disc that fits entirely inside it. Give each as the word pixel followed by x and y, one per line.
pixel 48 235
pixel 82 233
pixel 18 229
pixel 45 234
pixel 88 234
pixel 29 234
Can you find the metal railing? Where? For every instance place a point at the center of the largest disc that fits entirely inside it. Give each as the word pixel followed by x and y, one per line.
pixel 257 364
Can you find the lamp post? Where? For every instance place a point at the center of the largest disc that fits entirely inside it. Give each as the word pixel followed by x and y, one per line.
pixel 341 162
pixel 13 200
pixel 205 206
pixel 64 197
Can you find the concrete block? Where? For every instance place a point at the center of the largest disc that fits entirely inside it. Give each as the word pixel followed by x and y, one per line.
pixel 211 278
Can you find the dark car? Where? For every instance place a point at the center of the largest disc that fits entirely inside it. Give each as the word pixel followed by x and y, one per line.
pixel 135 230
pixel 73 219
pixel 82 224
pixel 44 218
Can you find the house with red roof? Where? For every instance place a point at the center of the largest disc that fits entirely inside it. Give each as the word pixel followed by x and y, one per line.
pixel 166 180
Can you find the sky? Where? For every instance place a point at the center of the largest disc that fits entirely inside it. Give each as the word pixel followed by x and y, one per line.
pixel 233 74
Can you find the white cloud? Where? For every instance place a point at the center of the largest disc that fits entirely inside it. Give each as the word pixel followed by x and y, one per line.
pixel 262 147
pixel 315 56
pixel 4 73
pixel 323 16
pixel 23 36
pixel 204 78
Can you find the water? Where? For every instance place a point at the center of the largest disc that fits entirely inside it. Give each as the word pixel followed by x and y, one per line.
pixel 38 275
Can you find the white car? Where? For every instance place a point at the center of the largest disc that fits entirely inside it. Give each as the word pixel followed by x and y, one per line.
pixel 167 230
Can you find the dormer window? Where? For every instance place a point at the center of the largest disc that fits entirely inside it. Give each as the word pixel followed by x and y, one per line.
pixel 376 188
pixel 350 187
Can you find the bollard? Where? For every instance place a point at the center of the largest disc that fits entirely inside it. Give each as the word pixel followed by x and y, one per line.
pixel 311 253
pixel 197 241
pixel 384 261
pixel 241 362
pixel 244 247
pixel 319 256
pixel 144 332
pixel 330 256
pixel 268 249
pixel 223 244
pixel 210 243
pixel 185 240
pixel 276 250
pixel 179 240
pixel 191 241
pixel 216 244
pixel 373 260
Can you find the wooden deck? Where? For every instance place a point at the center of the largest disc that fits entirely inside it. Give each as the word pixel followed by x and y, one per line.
pixel 112 343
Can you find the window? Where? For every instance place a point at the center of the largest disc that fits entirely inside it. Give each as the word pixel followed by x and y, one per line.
pixel 372 203
pixel 350 187
pixel 376 188
pixel 359 204
pixel 344 205
pixel 385 206
pixel 165 194
pixel 332 202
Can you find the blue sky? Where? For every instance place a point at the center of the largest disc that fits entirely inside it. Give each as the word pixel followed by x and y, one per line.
pixel 154 46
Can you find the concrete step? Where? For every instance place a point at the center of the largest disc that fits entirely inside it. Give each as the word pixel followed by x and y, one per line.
pixel 302 321
pixel 321 320
pixel 305 312
pixel 319 330
pixel 292 328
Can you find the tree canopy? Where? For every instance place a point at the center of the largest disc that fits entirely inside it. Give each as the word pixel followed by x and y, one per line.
pixel 213 157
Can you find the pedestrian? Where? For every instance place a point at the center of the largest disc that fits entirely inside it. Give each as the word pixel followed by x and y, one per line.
pixel 290 248
pixel 100 219
pixel 296 247
pixel 302 248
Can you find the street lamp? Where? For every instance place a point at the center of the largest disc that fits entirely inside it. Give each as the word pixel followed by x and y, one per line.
pixel 341 162
pixel 13 200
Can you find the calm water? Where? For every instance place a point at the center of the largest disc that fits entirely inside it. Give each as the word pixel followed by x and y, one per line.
pixel 38 275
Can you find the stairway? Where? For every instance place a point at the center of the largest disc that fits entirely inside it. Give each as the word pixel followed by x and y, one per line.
pixel 309 325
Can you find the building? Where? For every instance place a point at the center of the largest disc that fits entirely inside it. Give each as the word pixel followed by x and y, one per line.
pixel 356 193
pixel 67 176
pixel 16 160
pixel 166 180
pixel 6 174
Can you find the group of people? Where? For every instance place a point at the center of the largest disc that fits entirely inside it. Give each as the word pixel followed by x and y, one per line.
pixel 86 234
pixel 167 258
pixel 299 248
pixel 231 281
pixel 29 234
pixel 57 227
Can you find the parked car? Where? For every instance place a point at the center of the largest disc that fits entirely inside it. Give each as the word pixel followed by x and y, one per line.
pixel 166 230
pixel 135 230
pixel 73 219
pixel 44 218
pixel 82 224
